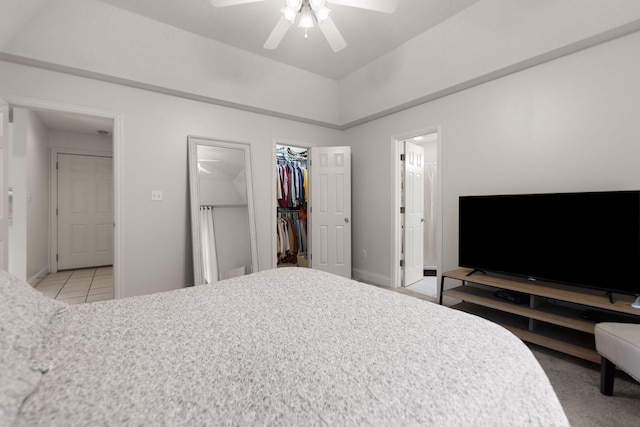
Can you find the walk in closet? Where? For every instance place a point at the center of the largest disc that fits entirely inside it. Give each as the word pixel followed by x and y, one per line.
pixel 312 214
pixel 292 199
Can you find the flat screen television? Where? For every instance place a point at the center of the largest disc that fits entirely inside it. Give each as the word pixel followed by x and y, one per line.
pixel 589 239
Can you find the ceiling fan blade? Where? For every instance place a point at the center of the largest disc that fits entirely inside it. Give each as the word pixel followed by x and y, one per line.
pixel 333 36
pixel 386 6
pixel 278 33
pixel 225 3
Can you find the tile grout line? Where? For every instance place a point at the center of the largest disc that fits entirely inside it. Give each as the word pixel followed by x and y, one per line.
pixel 63 285
pixel 90 284
pixel 92 278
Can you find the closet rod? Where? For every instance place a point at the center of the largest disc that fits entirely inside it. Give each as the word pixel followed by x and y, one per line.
pixel 223 206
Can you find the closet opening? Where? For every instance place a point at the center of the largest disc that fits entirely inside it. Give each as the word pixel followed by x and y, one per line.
pixel 292 201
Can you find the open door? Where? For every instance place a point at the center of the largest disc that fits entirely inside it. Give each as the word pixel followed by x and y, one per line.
pixel 331 210
pixel 4 189
pixel 414 213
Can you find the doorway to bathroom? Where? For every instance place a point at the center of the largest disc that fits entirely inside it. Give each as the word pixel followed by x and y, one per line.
pixel 416 208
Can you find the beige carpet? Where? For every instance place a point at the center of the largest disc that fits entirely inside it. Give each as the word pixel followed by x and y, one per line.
pixel 577 385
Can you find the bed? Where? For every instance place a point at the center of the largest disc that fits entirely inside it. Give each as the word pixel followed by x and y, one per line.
pixel 289 346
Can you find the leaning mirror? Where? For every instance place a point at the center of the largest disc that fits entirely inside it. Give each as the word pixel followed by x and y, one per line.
pixel 222 218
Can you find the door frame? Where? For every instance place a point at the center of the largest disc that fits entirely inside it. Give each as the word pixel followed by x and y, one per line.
pixel 274 211
pixel 53 201
pixel 117 143
pixel 396 234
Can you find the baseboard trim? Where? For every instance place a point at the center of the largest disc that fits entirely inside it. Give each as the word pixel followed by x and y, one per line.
pixel 35 279
pixel 372 278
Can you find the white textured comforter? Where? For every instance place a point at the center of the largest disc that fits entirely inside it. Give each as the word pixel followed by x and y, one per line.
pixel 290 346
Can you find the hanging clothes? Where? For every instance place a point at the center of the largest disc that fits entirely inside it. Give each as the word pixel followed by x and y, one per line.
pixel 291 237
pixel 291 183
pixel 292 197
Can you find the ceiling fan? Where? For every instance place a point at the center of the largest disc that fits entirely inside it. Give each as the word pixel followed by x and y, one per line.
pixel 308 13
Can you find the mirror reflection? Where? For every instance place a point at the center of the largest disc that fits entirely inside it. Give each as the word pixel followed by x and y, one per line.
pixel 222 210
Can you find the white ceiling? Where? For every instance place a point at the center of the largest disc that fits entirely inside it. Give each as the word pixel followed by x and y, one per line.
pixel 368 34
pixel 76 123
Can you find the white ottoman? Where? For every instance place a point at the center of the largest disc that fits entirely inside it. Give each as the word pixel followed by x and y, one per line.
pixel 619 345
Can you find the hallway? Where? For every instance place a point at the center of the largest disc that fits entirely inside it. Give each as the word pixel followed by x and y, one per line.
pixel 79 286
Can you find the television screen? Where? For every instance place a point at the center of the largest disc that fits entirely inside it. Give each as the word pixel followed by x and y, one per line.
pixel 584 239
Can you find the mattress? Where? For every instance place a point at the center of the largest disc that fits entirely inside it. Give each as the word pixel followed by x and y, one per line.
pixel 289 346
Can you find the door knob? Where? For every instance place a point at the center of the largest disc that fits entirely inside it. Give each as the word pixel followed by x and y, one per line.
pixel 346 220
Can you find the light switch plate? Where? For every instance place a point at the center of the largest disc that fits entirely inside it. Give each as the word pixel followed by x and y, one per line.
pixel 156 195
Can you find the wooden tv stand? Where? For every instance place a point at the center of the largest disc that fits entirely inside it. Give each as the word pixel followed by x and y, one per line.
pixel 551 315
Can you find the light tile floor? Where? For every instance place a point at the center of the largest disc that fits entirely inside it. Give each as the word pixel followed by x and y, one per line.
pixel 78 286
pixel 427 286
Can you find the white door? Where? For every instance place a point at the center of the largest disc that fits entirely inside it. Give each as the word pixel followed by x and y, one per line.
pixel 331 209
pixel 85 211
pixel 414 213
pixel 4 189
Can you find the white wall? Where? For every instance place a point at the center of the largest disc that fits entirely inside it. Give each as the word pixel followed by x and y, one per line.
pixel 18 181
pixel 99 38
pixel 156 235
pixel 29 231
pixel 488 39
pixel 80 141
pixel 566 125
pixel 37 199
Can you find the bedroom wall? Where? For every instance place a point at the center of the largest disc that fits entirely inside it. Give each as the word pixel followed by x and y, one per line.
pixel 156 242
pixel 29 177
pixel 95 37
pixel 566 125
pixel 483 123
pixel 486 40
pixel 18 180
pixel 80 141
pixel 37 199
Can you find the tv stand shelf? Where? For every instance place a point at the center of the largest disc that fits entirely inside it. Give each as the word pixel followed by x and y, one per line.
pixel 551 315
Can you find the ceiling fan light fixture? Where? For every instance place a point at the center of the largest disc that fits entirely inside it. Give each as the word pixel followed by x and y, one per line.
pixel 320 9
pixel 293 4
pixel 312 12
pixel 306 17
pixel 289 14
pixel 323 13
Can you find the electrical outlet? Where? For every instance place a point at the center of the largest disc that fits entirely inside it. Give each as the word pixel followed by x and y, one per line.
pixel 156 195
pixel 364 253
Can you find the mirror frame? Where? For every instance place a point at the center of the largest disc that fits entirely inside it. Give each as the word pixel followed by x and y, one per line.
pixel 192 149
